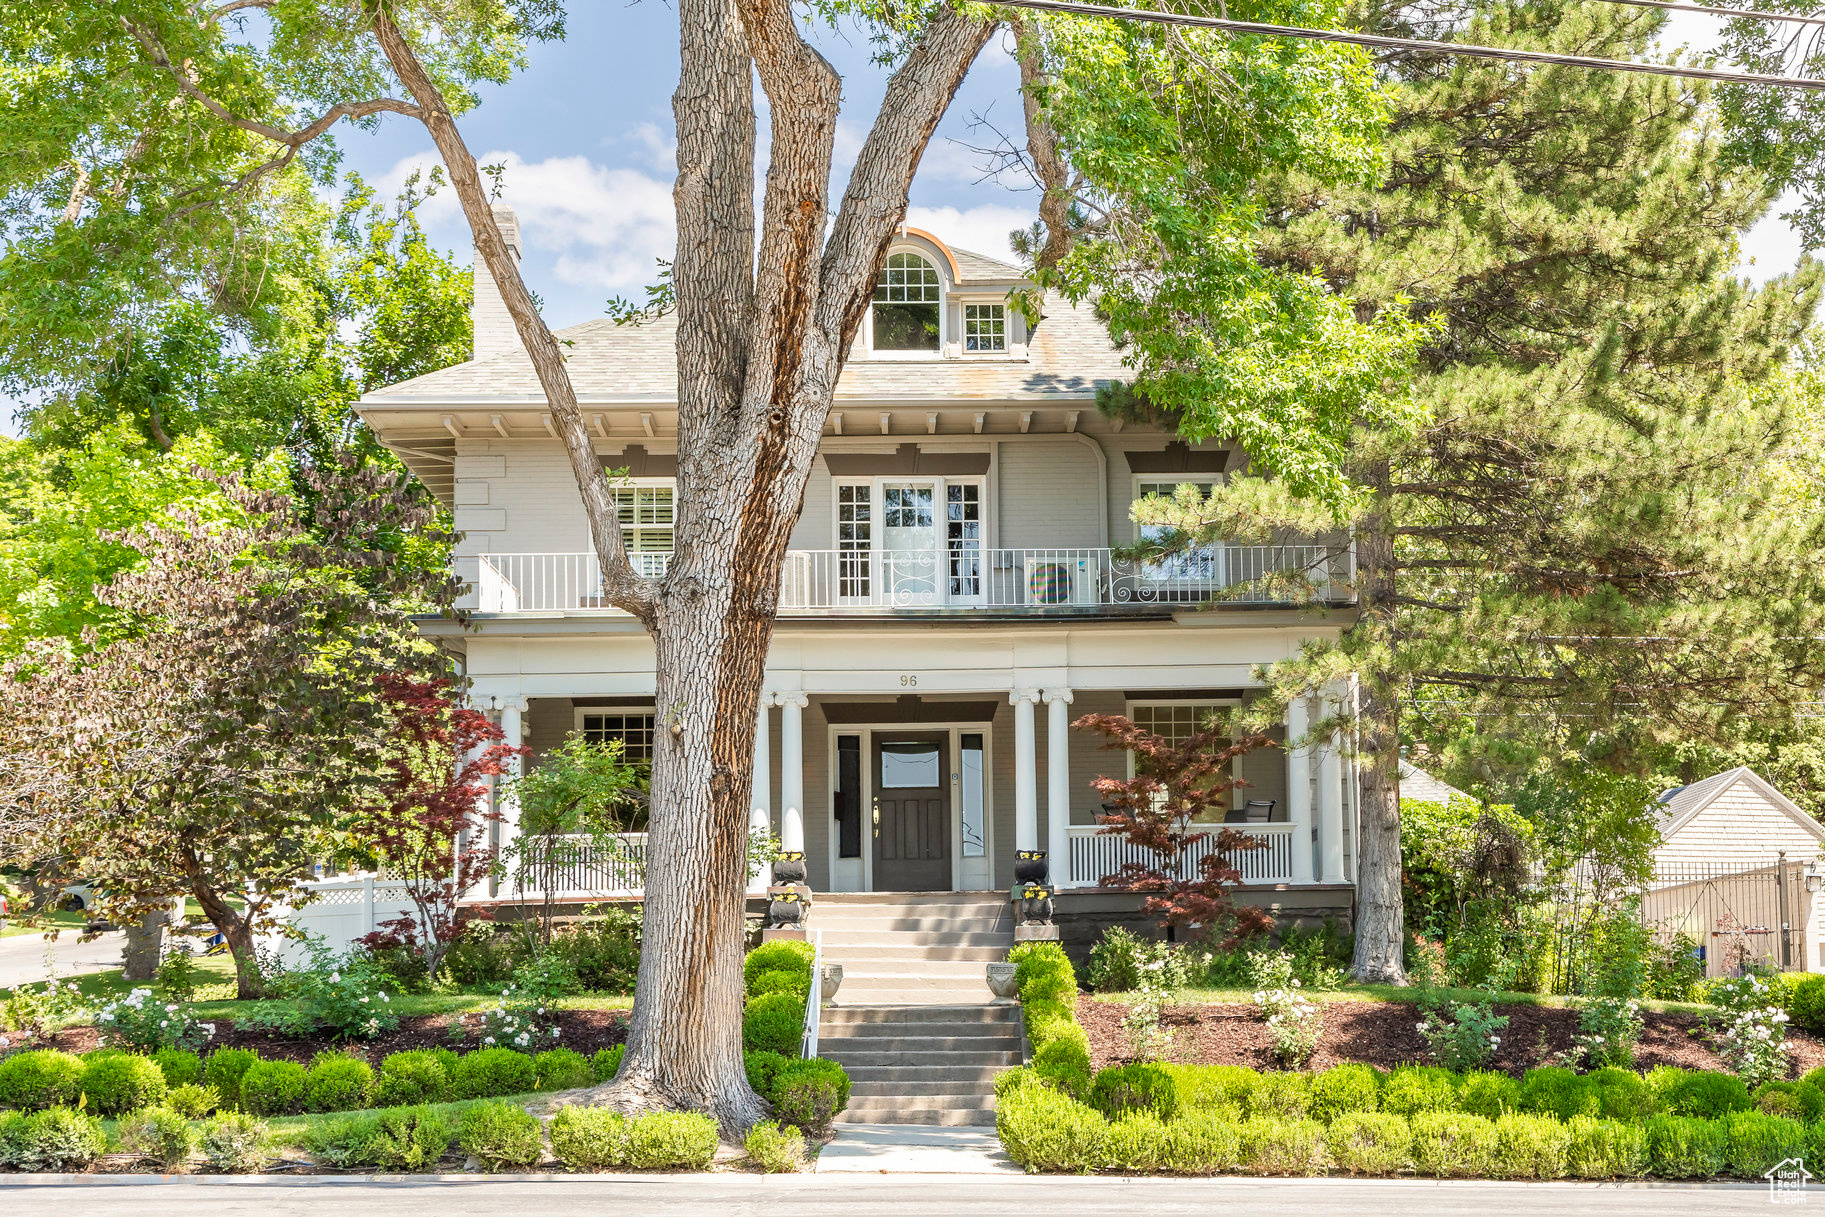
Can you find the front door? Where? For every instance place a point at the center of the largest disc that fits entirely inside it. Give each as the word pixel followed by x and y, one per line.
pixel 912 815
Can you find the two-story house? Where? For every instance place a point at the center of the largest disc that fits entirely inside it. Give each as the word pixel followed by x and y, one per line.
pixel 951 602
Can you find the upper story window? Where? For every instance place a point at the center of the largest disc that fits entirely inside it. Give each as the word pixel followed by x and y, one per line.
pixel 907 302
pixel 985 327
pixel 1200 563
pixel 647 520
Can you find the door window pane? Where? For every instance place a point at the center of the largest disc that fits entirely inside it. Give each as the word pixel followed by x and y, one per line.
pixel 854 534
pixel 909 766
pixel 963 538
pixel 849 796
pixel 974 841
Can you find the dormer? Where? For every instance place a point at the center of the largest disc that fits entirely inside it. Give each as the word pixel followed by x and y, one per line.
pixel 931 302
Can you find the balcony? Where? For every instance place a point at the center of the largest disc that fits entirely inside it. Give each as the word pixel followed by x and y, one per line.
pixel 831 582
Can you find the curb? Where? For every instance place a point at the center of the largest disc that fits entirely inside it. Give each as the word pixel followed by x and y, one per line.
pixel 696 1178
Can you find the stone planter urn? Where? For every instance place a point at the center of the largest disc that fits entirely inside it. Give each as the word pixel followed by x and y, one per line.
pixel 830 981
pixel 1002 982
pixel 789 867
pixel 1029 866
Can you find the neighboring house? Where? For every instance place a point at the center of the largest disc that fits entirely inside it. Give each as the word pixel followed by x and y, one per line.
pixel 1733 847
pixel 950 603
pixel 1417 784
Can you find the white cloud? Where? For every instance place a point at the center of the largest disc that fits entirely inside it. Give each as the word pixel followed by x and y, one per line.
pixel 983 229
pixel 595 227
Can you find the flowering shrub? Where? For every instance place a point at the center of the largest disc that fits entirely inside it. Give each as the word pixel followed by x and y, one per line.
pixel 1294 1021
pixel 1154 990
pixel 1608 1030
pixel 37 1009
pixel 142 1022
pixel 342 994
pixel 1119 956
pixel 1752 1030
pixel 1464 1036
pixel 515 1022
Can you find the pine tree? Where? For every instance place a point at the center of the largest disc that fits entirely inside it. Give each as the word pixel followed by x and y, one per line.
pixel 1583 559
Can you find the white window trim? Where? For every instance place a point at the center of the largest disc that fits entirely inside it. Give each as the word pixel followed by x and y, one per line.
pixel 1007 327
pixel 946 297
pixel 1219 551
pixel 940 514
pixel 647 483
pixel 578 712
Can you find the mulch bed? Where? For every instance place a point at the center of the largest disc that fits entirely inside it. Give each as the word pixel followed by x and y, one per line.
pixel 1386 1034
pixel 586 1031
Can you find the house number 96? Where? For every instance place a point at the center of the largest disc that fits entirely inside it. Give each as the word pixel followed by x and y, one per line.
pixel 909 681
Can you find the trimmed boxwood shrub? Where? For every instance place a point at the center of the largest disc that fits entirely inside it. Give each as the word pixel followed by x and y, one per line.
pixel 1489 1095
pixel 774 1022
pixel 562 1069
pixel 1705 1096
pixel 181 1068
pixel 274 1088
pixel 491 1072
pixel 1452 1144
pixel 224 1070
pixel 1806 1003
pixel 1604 1149
pixel 762 1068
pixel 589 1138
pixel 1755 1143
pixel 1044 973
pixel 1281 1096
pixel 1064 1062
pixel 406 1138
pixel 40 1078
pixel 776 1150
pixel 1202 1143
pixel 1622 1094
pixel 408 1078
pixel 1410 1089
pixel 58 1139
pixel 114 1083
pixel 1370 1142
pixel 1140 1087
pixel 779 980
pixel 810 1093
pixel 12 1139
pixel 1044 1130
pixel 780 955
pixel 499 1135
pixel 337 1083
pixel 1136 1143
pixel 1273 1146
pixel 1797 1100
pixel 191 1101
pixel 1680 1147
pixel 1344 1089
pixel 1529 1147
pixel 1213 1087
pixel 1554 1091
pixel 607 1063
pixel 671 1140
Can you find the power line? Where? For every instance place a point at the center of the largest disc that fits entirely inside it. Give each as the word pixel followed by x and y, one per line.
pixel 1421 44
pixel 1754 13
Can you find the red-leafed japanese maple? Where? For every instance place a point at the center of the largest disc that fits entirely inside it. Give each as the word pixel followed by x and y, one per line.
pixel 430 826
pixel 1183 864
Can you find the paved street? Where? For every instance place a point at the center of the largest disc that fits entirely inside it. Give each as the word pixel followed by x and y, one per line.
pixel 868 1196
pixel 22 956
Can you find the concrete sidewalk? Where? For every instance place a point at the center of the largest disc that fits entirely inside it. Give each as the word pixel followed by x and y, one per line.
pixel 914 1149
pixel 22 956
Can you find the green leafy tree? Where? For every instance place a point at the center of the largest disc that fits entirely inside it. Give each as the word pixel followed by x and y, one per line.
pixel 573 805
pixel 211 749
pixel 1575 562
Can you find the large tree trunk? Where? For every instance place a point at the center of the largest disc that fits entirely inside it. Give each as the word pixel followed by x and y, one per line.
pixel 1380 930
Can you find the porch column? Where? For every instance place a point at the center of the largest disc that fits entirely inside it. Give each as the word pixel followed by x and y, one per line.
pixel 1058 786
pixel 1299 785
pixel 792 770
pixel 1330 794
pixel 513 736
pixel 1026 781
pixel 760 801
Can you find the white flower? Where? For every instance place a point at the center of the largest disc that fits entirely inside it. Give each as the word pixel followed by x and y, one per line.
pixel 488 1039
pixel 335 977
pixel 170 1008
pixel 1295 982
pixel 364 1000
pixel 1422 1026
pixel 385 998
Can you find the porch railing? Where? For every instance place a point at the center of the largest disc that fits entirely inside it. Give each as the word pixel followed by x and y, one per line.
pixel 1095 854
pixel 834 581
pixel 580 867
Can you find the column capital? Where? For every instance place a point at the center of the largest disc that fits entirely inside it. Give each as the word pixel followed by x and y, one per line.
pixel 509 703
pixel 1017 696
pixel 768 699
pixel 1053 695
pixel 792 699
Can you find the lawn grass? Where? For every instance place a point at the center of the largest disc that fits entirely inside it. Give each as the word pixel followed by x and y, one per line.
pixel 68 923
pixel 1409 995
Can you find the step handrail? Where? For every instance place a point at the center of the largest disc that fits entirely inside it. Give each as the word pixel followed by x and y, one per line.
pixel 814 1001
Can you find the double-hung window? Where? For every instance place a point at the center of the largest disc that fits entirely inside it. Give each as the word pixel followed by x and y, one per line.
pixel 648 518
pixel 1200 564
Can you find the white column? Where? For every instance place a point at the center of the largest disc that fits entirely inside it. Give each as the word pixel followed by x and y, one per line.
pixel 792 770
pixel 1058 786
pixel 513 735
pixel 1299 786
pixel 760 802
pixel 1026 781
pixel 1330 794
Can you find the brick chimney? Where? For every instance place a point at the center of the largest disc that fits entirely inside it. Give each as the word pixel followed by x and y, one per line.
pixel 494 332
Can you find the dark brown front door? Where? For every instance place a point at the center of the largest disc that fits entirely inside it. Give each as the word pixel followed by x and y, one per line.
pixel 912 814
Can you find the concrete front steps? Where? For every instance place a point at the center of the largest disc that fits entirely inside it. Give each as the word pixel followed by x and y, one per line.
pixel 914 948
pixel 921 1064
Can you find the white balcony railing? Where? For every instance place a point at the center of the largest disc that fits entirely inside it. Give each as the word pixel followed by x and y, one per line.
pixel 835 581
pixel 1096 855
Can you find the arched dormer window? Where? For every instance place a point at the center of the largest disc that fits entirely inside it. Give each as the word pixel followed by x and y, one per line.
pixel 907 300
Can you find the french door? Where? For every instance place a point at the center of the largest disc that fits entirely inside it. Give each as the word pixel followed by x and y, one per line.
pixel 909 541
